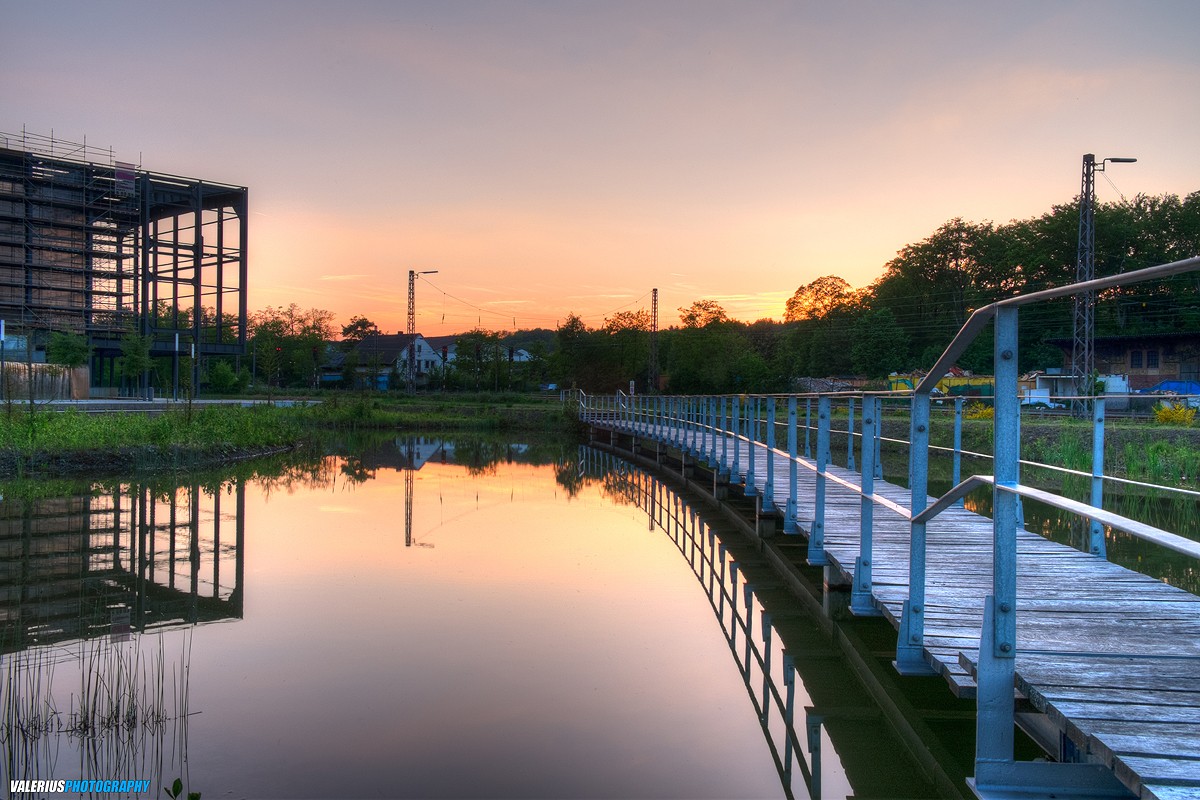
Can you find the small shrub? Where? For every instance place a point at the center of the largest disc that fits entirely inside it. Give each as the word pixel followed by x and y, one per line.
pixel 1168 413
pixel 979 411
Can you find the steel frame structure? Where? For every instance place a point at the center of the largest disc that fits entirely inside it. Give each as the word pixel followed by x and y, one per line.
pixel 107 249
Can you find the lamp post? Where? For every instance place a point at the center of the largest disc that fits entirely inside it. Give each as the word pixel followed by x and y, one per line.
pixel 412 326
pixel 1083 356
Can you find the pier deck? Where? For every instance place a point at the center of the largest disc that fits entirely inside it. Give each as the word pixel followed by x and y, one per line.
pixel 1108 660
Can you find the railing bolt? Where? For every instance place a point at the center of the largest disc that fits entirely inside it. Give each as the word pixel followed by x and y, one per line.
pixel 866 563
pixel 1007 355
pixel 1006 648
pixel 915 638
pixel 920 429
pixel 1005 607
pixel 916 609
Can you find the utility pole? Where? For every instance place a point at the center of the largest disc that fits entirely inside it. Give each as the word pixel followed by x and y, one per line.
pixel 412 327
pixel 653 387
pixel 1083 355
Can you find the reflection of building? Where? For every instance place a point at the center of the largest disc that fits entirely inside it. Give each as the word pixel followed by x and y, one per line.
pixel 97 247
pixel 130 558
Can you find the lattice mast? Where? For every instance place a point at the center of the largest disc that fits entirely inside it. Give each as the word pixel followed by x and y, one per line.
pixel 653 341
pixel 1083 354
pixel 411 330
pixel 1083 359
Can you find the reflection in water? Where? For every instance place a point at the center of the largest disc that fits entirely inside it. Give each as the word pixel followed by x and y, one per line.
pixel 127 558
pixel 547 646
pixel 770 677
pixel 90 583
pixel 784 660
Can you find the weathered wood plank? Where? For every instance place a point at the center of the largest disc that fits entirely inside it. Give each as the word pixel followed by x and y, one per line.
pixel 1111 656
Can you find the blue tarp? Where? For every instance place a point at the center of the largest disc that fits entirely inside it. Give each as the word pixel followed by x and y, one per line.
pixel 1178 387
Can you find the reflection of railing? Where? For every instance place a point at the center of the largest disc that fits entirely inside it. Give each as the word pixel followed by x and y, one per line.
pixel 717 431
pixel 732 597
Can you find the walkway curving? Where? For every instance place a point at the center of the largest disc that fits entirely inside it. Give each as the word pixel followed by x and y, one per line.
pixel 1108 660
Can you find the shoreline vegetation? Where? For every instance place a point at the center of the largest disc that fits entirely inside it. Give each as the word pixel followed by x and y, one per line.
pixel 74 443
pixel 48 443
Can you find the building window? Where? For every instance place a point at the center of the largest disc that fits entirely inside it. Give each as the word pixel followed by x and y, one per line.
pixel 1151 359
pixel 1135 359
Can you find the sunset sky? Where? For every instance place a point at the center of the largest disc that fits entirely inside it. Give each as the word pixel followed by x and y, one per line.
pixel 557 157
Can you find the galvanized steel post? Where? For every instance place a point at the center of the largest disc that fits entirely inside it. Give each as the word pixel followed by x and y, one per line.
pixel 725 439
pixel 735 430
pixel 861 603
pixel 910 645
pixel 751 441
pixel 956 469
pixel 1096 542
pixel 790 512
pixel 768 496
pixel 816 535
pixel 998 641
pixel 807 426
pixel 850 434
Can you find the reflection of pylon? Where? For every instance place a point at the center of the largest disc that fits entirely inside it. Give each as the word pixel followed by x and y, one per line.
pixel 408 503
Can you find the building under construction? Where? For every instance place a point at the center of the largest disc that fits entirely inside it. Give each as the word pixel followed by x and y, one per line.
pixel 105 249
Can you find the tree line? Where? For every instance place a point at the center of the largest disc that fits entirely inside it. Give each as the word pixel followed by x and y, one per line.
pixel 901 322
pixel 906 318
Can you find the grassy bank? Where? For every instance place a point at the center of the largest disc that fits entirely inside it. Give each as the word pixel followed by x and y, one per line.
pixel 1140 450
pixel 450 412
pixel 47 443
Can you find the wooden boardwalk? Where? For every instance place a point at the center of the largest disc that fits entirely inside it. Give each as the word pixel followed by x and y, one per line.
pixel 1110 657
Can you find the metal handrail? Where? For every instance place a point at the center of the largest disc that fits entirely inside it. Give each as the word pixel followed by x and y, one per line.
pixel 982 316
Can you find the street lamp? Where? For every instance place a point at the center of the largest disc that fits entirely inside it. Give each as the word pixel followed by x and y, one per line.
pixel 412 325
pixel 1083 356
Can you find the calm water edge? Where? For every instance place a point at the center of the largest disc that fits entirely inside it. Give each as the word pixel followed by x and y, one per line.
pixel 519 630
pixel 420 618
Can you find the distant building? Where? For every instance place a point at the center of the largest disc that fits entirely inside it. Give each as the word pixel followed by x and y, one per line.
pixel 382 361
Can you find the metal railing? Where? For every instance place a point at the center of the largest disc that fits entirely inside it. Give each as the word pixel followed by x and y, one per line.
pixel 706 428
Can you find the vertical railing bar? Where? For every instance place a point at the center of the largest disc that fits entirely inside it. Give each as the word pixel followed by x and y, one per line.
pixel 790 512
pixel 816 534
pixel 997 646
pixel 751 440
pixel 768 497
pixel 1096 542
pixel 735 429
pixel 724 468
pixel 910 643
pixel 956 477
pixel 861 600
pixel 850 434
pixel 807 426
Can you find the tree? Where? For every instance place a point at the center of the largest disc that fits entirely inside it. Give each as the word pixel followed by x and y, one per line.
pixel 135 357
pixel 816 299
pixel 702 313
pixel 880 344
pixel 358 329
pixel 628 321
pixel 68 349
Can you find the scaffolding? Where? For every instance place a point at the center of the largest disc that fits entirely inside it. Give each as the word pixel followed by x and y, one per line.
pixel 103 248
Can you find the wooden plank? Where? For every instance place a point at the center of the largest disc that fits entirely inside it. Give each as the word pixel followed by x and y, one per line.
pixel 1110 655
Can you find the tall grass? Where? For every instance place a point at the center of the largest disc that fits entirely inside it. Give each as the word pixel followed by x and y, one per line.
pixel 1164 462
pixel 119 718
